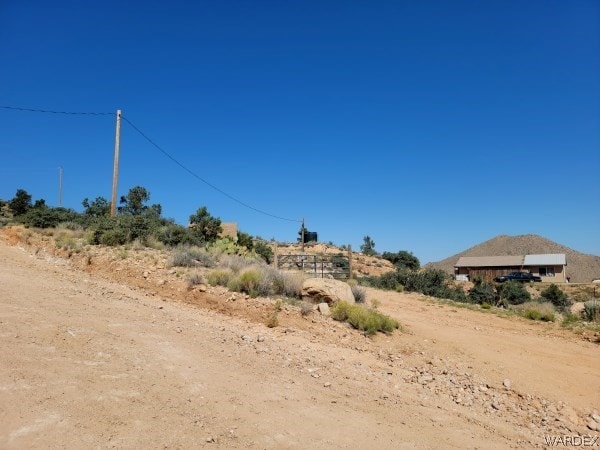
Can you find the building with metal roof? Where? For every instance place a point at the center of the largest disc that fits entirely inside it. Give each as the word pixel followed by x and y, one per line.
pixel 550 267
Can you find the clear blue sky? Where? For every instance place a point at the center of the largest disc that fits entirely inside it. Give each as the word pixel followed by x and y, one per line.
pixel 429 125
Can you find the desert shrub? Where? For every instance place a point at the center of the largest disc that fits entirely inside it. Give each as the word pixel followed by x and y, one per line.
pixel 172 235
pixel 113 237
pixel 270 280
pixel 369 321
pixel 234 284
pixel 66 240
pixel 45 217
pixel 220 277
pixel 591 310
pixel 512 293
pixel 482 292
pixel 292 284
pixel 190 257
pixel 486 305
pixel 195 278
pixel 70 225
pixel 360 295
pixel 306 308
pixel 250 281
pixel 537 311
pixel 264 251
pixel 569 319
pixel 273 320
pixel 235 262
pixel 556 296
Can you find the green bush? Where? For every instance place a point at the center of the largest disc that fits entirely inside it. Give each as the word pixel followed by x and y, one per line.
pixel 556 296
pixel 173 235
pixel 45 217
pixel 264 251
pixel 591 310
pixel 369 321
pixel 512 293
pixel 482 292
pixel 113 237
pixel 402 260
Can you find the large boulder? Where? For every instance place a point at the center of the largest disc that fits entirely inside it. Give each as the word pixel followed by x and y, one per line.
pixel 326 290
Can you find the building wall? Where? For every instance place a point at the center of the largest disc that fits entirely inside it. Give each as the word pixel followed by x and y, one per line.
pixel 559 273
pixel 489 273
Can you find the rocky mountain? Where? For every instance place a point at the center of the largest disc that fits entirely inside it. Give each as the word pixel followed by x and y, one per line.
pixel 581 267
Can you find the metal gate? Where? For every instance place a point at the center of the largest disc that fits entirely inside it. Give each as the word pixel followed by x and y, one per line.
pixel 318 266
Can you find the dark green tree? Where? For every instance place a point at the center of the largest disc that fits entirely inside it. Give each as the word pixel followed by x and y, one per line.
pixel 205 227
pixel 245 240
pixel 402 260
pixel 556 296
pixel 97 208
pixel 41 203
pixel 20 203
pixel 134 204
pixel 368 248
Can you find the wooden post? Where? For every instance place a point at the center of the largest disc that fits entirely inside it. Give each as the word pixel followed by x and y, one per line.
pixel 59 186
pixel 113 203
pixel 349 261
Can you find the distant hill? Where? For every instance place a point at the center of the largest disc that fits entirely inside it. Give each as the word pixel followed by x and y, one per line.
pixel 581 267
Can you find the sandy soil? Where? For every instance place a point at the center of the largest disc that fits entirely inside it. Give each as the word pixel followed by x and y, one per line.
pixel 98 359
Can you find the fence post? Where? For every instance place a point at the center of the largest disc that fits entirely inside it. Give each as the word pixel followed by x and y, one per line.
pixel 349 262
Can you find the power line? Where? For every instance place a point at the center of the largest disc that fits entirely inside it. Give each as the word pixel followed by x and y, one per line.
pixel 195 175
pixel 164 152
pixel 69 113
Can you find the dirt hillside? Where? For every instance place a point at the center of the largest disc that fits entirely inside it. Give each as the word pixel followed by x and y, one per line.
pixel 581 267
pixel 109 347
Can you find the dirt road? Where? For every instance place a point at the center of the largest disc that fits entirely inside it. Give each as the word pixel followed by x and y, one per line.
pixel 86 362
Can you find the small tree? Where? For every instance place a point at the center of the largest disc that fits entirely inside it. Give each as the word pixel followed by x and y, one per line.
pixel 556 296
pixel 133 204
pixel 368 248
pixel 205 227
pixel 97 208
pixel 402 260
pixel 20 203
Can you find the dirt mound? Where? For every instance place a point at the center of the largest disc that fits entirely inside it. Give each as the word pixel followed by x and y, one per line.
pixel 581 267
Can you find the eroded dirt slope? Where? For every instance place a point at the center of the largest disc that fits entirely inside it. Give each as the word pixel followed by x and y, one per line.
pixel 87 362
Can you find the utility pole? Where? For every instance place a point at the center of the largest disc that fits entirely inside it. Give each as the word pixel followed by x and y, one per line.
pixel 302 236
pixel 59 186
pixel 113 203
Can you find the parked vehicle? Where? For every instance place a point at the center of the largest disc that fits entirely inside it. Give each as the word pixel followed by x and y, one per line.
pixel 524 277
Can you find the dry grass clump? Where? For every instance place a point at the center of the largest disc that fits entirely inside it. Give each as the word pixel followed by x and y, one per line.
pixel 360 295
pixel 235 262
pixel 219 277
pixel 367 320
pixel 194 279
pixel 544 311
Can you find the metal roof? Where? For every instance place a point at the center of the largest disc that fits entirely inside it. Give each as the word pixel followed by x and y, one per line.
pixel 489 261
pixel 551 259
